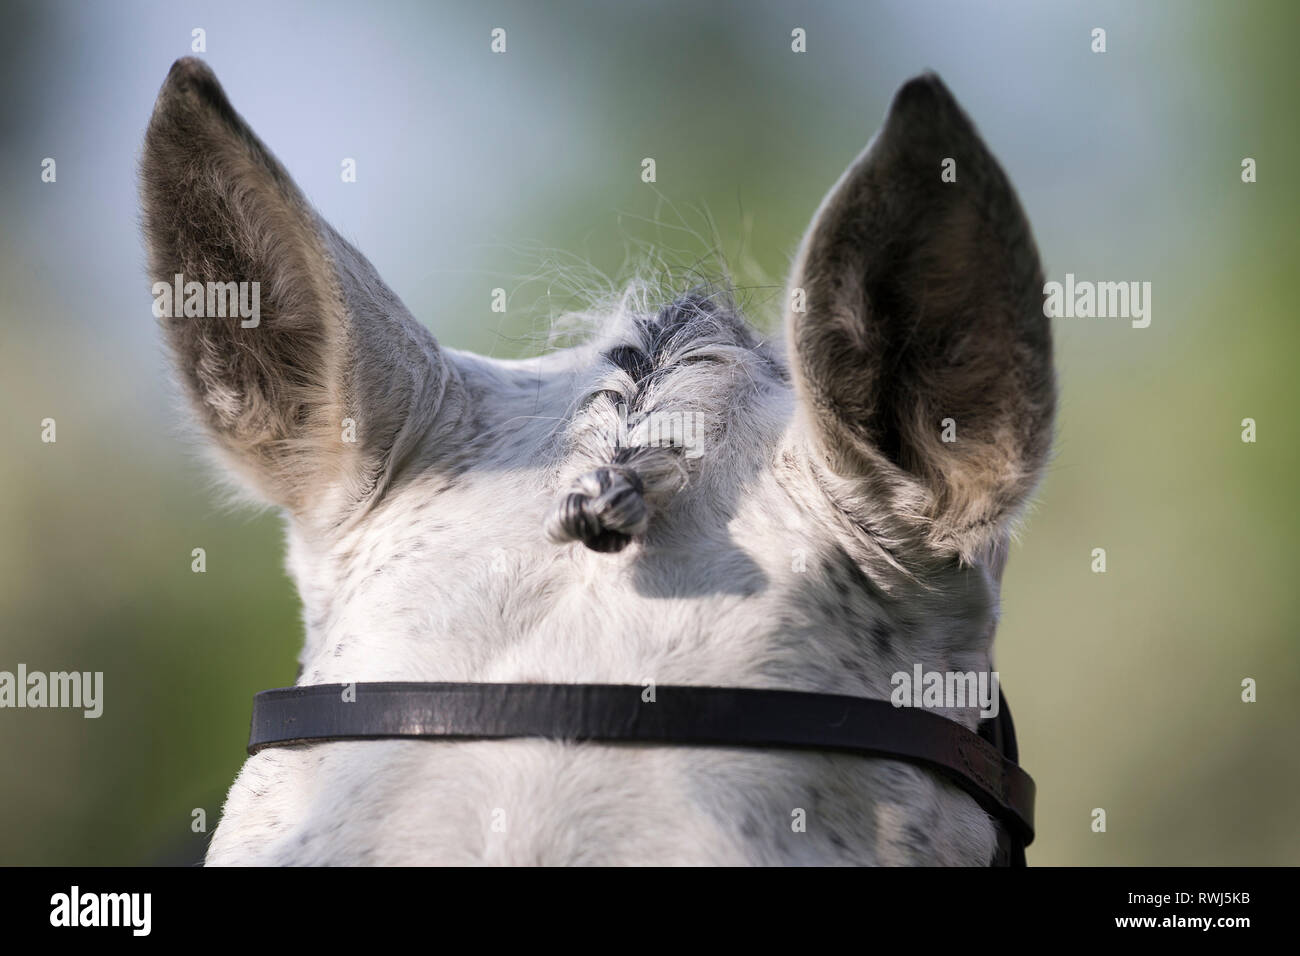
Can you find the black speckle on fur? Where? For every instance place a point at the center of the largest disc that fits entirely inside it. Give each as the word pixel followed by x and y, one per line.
pixel 883 637
pixel 847 577
pixel 917 839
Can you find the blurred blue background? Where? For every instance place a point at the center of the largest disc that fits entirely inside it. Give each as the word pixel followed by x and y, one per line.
pixel 522 171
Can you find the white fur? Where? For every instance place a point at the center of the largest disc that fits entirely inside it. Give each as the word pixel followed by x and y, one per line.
pixel 825 539
pixel 455 581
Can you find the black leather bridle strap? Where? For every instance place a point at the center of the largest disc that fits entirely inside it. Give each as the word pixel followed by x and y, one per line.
pixel 1001 734
pixel 701 716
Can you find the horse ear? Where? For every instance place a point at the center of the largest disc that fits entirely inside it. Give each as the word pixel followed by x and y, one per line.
pixel 922 357
pixel 322 381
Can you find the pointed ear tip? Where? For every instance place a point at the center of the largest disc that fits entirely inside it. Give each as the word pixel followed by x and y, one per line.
pixel 191 110
pixel 191 81
pixel 924 94
pixel 924 99
pixel 189 71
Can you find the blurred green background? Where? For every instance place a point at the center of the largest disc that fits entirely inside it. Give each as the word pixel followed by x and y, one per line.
pixel 477 170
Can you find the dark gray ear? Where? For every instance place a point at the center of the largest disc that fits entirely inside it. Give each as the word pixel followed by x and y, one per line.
pixel 329 341
pixel 924 304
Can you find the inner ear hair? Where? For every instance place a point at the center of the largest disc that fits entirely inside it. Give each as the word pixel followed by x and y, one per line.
pixel 315 385
pixel 923 358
